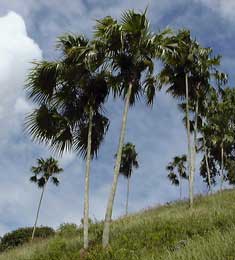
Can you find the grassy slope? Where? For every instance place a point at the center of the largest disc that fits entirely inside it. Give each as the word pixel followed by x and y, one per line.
pixel 168 232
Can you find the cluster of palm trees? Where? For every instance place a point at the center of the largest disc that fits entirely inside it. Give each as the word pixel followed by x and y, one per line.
pixel 218 138
pixel 215 140
pixel 120 59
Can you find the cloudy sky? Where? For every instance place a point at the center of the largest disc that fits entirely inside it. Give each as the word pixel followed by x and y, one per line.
pixel 28 32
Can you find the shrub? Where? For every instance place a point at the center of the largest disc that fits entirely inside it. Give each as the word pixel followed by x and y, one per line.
pixel 68 230
pixel 23 235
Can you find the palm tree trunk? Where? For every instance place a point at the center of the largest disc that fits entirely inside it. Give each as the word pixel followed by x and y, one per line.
pixel 193 166
pixel 87 183
pixel 108 215
pixel 189 143
pixel 39 205
pixel 207 165
pixel 180 184
pixel 222 167
pixel 127 194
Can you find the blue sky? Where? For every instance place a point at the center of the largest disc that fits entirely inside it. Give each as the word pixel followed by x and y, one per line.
pixel 29 29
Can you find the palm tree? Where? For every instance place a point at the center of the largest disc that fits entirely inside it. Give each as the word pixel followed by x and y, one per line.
pixel 128 162
pixel 177 171
pixel 202 143
pixel 131 49
pixel 221 122
pixel 187 75
pixel 70 94
pixel 44 171
pixel 206 150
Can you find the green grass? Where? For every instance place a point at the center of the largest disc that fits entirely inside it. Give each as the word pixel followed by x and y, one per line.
pixel 168 232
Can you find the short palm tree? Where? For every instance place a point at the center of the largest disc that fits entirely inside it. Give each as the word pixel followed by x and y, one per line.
pixel 131 49
pixel 128 163
pixel 45 170
pixel 177 171
pixel 70 94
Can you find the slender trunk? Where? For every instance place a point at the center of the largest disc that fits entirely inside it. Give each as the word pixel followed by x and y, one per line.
pixel 127 194
pixel 194 151
pixel 87 182
pixel 189 143
pixel 180 184
pixel 207 165
pixel 39 206
pixel 222 167
pixel 108 215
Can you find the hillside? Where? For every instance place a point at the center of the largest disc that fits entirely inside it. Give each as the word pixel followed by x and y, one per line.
pixel 167 232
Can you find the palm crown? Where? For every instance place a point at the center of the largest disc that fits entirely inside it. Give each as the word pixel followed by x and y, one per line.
pixel 192 59
pixel 129 160
pixel 44 171
pixel 130 52
pixel 65 91
pixel 177 169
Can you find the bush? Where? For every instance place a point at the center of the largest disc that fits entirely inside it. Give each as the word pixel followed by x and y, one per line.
pixel 22 235
pixel 68 230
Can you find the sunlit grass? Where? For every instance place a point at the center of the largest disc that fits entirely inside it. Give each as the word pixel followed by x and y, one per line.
pixel 167 232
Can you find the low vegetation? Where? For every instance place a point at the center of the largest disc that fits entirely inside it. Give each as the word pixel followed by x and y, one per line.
pixel 172 231
pixel 23 235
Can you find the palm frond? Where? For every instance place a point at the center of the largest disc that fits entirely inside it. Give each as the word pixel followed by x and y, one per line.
pixel 43 80
pixel 100 125
pixel 55 181
pixel 128 160
pixel 33 178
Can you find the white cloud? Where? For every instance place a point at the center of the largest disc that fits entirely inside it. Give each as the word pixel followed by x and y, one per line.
pixel 226 8
pixel 17 50
pixel 67 159
pixel 22 106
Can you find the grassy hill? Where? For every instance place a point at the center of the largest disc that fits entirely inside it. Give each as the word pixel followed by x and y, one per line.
pixel 167 232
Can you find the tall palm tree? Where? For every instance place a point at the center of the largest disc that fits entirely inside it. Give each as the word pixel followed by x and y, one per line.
pixel 70 94
pixel 45 170
pixel 187 75
pixel 177 171
pixel 131 49
pixel 202 143
pixel 128 162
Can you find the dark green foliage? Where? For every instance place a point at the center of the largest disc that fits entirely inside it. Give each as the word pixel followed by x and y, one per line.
pixel 230 168
pixel 23 235
pixel 129 160
pixel 65 91
pixel 213 167
pixel 45 170
pixel 190 58
pixel 131 49
pixel 177 169
pixel 219 132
